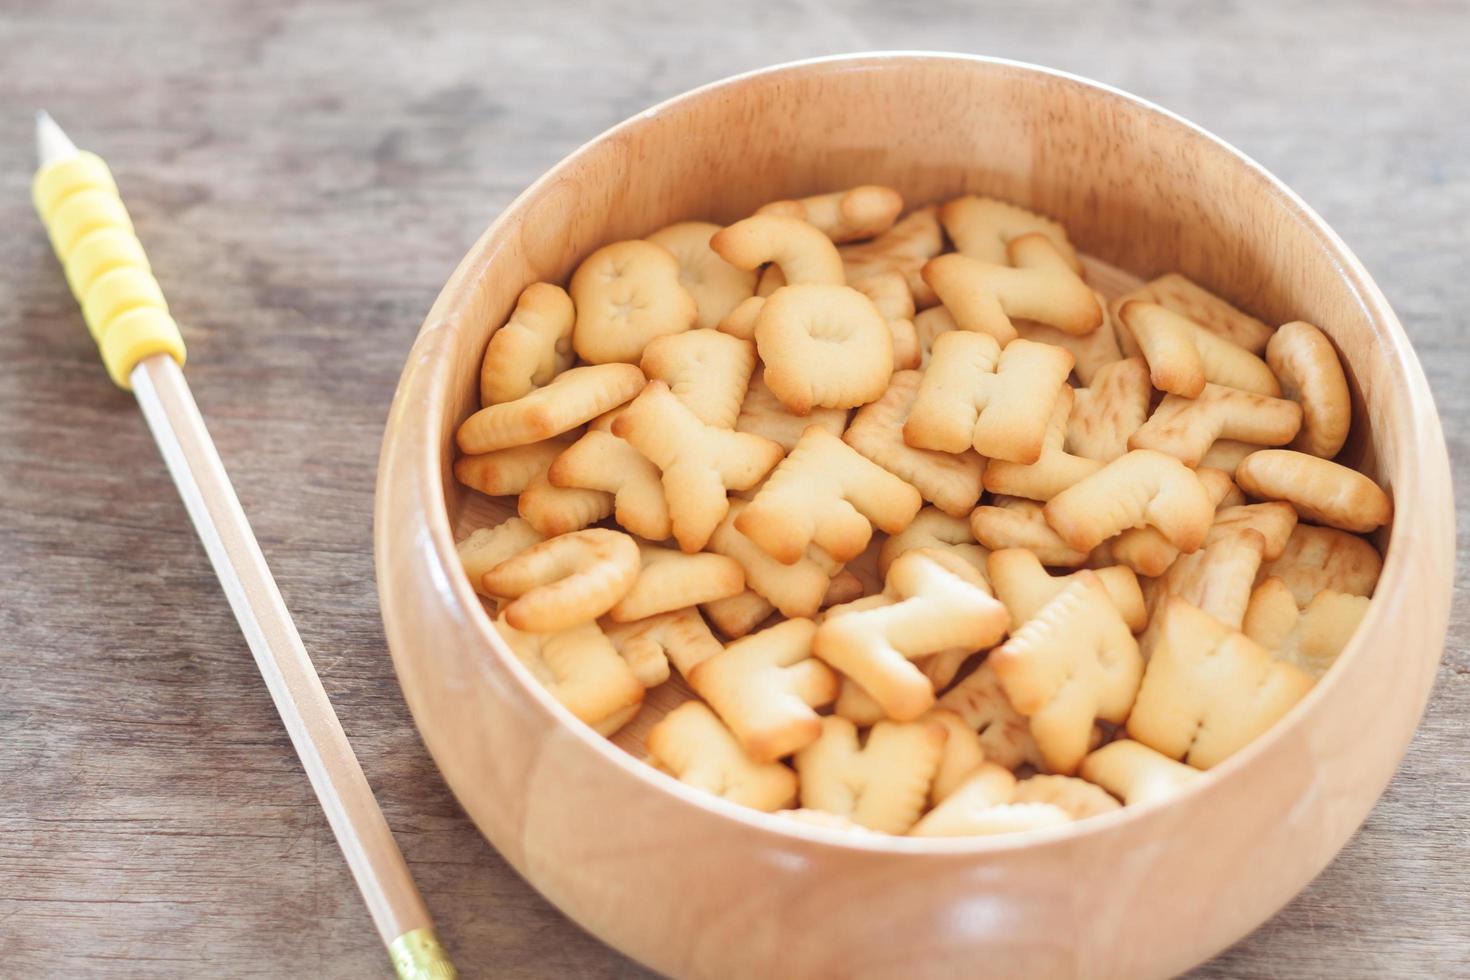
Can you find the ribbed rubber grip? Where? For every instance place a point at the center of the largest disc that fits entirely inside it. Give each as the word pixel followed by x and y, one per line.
pixel 93 236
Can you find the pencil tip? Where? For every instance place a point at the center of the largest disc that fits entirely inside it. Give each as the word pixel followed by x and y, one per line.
pixel 52 143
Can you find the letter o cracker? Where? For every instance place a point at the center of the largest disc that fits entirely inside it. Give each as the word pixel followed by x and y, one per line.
pixel 824 346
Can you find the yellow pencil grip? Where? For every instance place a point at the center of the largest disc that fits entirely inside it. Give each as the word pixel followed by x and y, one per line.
pixel 93 236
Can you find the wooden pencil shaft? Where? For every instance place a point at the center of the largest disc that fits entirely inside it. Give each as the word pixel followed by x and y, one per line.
pixel 361 832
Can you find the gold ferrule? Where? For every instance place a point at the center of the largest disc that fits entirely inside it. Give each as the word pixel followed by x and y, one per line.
pixel 418 955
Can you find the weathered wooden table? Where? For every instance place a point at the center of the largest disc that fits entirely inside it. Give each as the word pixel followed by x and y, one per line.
pixel 305 177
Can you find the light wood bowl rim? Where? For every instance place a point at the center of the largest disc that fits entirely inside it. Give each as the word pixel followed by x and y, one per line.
pixel 419 446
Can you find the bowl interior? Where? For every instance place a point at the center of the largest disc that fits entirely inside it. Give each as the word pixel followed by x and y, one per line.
pixel 1140 192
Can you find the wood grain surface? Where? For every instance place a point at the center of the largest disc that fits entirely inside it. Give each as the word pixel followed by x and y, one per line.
pixel 305 177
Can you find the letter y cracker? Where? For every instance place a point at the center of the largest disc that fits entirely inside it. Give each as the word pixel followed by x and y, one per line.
pixel 699 462
pixel 825 493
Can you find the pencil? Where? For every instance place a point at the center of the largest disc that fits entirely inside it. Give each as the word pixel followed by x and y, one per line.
pixel 144 352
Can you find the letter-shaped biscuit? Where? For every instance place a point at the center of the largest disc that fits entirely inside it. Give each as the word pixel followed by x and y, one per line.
pixel 1093 351
pixel 692 745
pixel 951 482
pixel 1135 773
pixel 765 686
pixel 802 252
pixel 581 669
pixel 1319 558
pixel 845 216
pixel 823 346
pixel 854 702
pixel 489 546
pixel 825 493
pixel 1054 470
pixel 706 370
pixel 1011 522
pixel 1139 488
pixel 1226 454
pixel 796 589
pixel 1274 521
pixel 1148 552
pixel 739 615
pixel 890 293
pixel 984 297
pixel 1305 361
pixel 627 293
pixel 883 785
pixel 556 510
pixel 895 302
pixel 565 581
pixel 1186 428
pixel 928 325
pixel 1024 587
pixel 1217 579
pixel 1203 307
pixel 762 414
pixel 941 604
pixel 680 638
pixel 1072 663
pixel 1077 797
pixel 1107 412
pixel 602 461
pixel 1322 491
pixel 963 754
pixel 1209 690
pixel 740 322
pixel 1182 355
pixel 669 579
pixel 507 471
pixel 1004 732
pixel 699 462
pixel 904 249
pixel 975 395
pixel 984 805
pixel 534 345
pixel 933 528
pixel 982 227
pixel 572 397
pixel 716 286
pixel 1309 638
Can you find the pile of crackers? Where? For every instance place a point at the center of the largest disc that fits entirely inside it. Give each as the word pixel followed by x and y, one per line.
pixel 942 542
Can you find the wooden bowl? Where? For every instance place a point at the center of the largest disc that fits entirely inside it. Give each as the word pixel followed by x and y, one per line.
pixel 693 886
